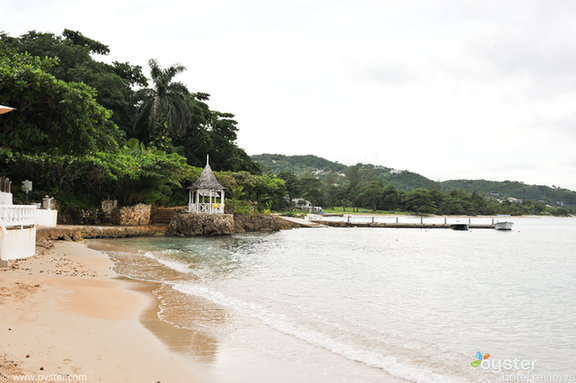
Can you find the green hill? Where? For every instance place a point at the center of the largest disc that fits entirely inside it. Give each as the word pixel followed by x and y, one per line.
pixel 299 165
pixel 520 190
pixel 314 166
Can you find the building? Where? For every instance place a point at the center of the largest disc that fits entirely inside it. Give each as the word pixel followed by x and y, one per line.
pixel 206 195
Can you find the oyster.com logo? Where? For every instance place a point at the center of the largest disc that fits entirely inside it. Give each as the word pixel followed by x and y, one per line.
pixel 479 359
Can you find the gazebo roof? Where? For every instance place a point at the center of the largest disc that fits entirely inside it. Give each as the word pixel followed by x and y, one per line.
pixel 207 180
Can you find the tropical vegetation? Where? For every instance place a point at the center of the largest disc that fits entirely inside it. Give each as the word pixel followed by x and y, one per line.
pixel 84 131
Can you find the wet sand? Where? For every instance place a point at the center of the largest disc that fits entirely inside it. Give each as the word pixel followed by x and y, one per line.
pixel 64 312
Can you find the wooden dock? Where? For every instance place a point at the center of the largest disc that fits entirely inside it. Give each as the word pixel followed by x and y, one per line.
pixel 399 225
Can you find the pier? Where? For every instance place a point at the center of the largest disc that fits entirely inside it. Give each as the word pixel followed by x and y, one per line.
pixel 404 223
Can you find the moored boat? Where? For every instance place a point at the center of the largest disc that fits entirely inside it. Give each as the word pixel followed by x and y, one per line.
pixel 503 225
pixel 460 226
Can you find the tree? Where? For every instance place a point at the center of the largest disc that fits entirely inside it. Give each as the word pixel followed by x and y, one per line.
pixel 420 201
pixel 51 115
pixel 73 53
pixel 372 194
pixel 167 102
pixel 391 198
pixel 292 183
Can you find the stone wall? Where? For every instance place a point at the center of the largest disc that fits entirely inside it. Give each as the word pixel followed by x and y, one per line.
pixel 187 225
pixel 132 215
pixel 79 233
pixel 108 207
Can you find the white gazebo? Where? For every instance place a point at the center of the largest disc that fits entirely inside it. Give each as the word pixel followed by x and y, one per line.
pixel 206 195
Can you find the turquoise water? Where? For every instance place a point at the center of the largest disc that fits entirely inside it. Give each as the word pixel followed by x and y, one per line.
pixel 355 304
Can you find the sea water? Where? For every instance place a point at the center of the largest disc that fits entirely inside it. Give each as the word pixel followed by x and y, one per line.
pixel 370 304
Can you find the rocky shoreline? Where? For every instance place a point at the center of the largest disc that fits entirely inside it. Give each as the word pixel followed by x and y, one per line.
pixel 181 225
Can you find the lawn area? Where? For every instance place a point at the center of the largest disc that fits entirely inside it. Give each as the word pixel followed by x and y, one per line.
pixel 338 210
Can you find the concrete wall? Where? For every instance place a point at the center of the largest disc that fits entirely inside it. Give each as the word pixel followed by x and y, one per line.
pixel 17 243
pixel 46 217
pixel 5 198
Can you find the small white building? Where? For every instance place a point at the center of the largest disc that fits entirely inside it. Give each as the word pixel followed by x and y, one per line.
pixel 301 203
pixel 206 195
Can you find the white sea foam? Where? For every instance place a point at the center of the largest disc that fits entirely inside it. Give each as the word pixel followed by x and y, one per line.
pixel 174 265
pixel 283 324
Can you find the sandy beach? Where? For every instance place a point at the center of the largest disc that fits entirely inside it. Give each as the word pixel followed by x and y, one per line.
pixel 66 316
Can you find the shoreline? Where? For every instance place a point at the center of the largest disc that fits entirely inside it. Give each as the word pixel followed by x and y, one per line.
pixel 64 313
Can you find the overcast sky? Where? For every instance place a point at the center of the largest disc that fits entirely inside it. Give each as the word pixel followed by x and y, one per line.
pixel 447 88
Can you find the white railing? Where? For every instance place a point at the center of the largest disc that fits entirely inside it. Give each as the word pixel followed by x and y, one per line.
pixel 207 208
pixel 17 215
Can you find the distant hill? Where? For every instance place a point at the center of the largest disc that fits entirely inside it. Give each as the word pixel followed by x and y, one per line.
pixel 299 165
pixel 505 189
pixel 314 166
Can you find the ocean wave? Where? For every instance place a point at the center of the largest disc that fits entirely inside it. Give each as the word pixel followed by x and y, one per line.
pixel 174 265
pixel 283 324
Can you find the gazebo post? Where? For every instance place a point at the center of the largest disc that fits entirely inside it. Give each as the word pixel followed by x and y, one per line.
pixel 210 205
pixel 222 201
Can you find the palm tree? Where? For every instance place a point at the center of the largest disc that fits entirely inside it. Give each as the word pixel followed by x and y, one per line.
pixel 165 106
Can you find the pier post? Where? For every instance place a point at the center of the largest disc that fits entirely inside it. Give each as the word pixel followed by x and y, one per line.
pixel 372 219
pixel 421 220
pixel 396 219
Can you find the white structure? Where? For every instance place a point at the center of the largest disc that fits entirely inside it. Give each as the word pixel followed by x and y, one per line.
pixel 206 195
pixel 5 198
pixel 301 203
pixel 18 231
pixel 47 216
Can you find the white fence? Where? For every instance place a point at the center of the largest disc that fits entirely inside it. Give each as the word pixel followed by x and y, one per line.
pixel 209 208
pixel 17 215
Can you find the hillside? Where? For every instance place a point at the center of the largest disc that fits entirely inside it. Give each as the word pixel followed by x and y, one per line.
pixel 314 166
pixel 299 165
pixel 505 189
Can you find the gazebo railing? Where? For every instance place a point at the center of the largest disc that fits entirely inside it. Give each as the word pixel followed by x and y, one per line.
pixel 207 208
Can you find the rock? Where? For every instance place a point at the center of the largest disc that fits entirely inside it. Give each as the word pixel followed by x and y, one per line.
pixel 185 224
pixel 244 223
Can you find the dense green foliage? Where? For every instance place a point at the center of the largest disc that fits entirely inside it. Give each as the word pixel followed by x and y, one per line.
pixel 165 116
pixel 52 114
pixel 82 133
